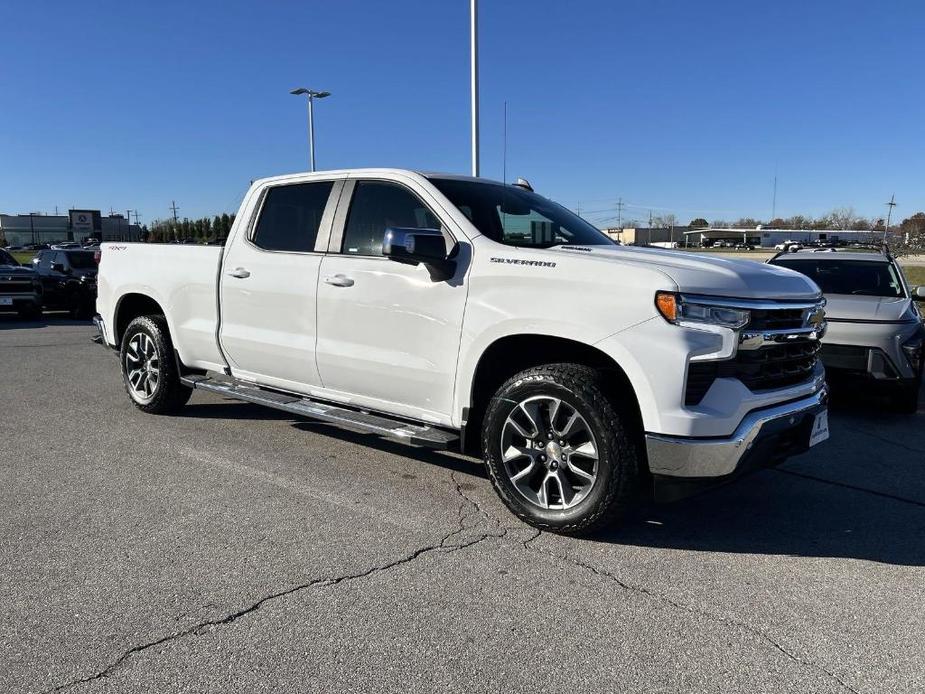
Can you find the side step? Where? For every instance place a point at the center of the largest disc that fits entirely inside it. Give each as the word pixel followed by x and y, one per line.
pixel 395 429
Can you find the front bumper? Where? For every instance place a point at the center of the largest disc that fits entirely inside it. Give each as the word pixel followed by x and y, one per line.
pixel 764 437
pixel 20 301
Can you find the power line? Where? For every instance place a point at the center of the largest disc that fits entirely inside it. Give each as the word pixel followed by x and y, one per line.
pixel 620 213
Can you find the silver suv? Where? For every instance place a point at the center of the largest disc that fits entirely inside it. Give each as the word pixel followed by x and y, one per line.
pixel 875 328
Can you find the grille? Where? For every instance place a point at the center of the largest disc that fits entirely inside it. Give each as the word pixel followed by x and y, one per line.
pixel 776 319
pixel 775 366
pixel 16 287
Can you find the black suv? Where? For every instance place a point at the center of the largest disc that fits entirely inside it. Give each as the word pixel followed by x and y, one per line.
pixel 20 289
pixel 68 279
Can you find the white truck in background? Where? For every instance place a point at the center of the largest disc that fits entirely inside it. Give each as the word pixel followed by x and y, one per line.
pixel 449 311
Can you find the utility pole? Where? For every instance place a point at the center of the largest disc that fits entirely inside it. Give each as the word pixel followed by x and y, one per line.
pixel 173 206
pixel 474 80
pixel 774 200
pixel 620 213
pixel 890 205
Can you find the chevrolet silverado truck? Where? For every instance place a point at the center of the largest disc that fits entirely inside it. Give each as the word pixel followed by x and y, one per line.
pixel 457 312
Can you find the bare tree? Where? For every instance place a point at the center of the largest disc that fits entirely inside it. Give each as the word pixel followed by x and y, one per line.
pixel 842 218
pixel 664 221
pixel 912 236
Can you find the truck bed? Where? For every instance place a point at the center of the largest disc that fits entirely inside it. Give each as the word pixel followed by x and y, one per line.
pixel 181 278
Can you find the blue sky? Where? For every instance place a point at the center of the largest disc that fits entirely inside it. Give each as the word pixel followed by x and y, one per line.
pixel 684 107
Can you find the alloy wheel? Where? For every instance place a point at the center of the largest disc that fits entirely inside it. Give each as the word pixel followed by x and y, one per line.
pixel 549 452
pixel 142 367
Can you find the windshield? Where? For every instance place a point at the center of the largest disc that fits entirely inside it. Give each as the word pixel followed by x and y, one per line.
pixel 82 260
pixel 517 217
pixel 7 259
pixel 859 277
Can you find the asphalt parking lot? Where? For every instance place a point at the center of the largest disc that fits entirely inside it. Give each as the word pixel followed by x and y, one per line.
pixel 235 549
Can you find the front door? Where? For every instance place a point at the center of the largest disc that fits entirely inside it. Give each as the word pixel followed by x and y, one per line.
pixel 268 283
pixel 388 332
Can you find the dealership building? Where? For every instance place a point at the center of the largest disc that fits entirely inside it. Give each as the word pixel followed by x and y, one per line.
pixel 682 236
pixel 76 225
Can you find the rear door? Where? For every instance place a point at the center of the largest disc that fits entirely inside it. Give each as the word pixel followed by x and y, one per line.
pixel 388 333
pixel 268 285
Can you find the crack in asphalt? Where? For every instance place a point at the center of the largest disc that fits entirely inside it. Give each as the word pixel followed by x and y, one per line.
pixel 845 485
pixel 642 590
pixel 203 626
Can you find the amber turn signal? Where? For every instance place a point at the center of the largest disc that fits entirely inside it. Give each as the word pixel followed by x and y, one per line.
pixel 667 305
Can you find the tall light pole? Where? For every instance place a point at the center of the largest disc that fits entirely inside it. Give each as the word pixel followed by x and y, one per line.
pixel 312 95
pixel 474 76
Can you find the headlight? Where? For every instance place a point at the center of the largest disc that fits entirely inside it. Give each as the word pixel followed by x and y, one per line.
pixel 913 350
pixel 678 310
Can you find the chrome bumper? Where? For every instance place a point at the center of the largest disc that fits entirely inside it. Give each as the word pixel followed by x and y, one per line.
pixel 764 436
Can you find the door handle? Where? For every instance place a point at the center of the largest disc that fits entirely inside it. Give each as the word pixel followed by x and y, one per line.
pixel 339 281
pixel 240 273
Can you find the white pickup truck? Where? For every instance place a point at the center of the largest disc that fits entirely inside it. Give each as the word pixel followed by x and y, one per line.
pixel 457 312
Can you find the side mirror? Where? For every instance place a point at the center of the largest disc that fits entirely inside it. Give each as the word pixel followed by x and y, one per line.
pixel 919 293
pixel 415 246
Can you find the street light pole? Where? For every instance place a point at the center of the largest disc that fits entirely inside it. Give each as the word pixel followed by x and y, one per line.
pixel 474 77
pixel 312 95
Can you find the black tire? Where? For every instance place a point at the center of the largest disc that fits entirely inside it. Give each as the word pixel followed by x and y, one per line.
pixel 907 400
pixel 168 395
pixel 30 312
pixel 616 488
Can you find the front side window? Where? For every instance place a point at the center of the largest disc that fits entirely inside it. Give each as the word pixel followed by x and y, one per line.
pixel 517 217
pixel 858 277
pixel 375 207
pixel 291 216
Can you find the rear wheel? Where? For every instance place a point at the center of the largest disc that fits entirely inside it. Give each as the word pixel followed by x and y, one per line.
pixel 558 452
pixel 149 370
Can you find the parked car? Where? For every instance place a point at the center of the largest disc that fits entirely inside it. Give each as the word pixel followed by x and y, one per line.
pixel 744 246
pixel 64 245
pixel 20 289
pixel 449 311
pixel 68 280
pixel 875 327
pixel 789 246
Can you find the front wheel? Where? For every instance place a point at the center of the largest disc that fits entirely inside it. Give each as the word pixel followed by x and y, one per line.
pixel 559 454
pixel 149 370
pixel 907 400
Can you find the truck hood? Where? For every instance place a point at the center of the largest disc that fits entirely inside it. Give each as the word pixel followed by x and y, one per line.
pixel 867 308
pixel 9 272
pixel 696 273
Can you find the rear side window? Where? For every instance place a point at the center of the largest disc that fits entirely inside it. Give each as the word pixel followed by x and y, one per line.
pixel 291 216
pixel 375 207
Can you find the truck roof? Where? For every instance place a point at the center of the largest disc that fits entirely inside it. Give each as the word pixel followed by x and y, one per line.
pixel 307 175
